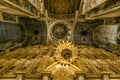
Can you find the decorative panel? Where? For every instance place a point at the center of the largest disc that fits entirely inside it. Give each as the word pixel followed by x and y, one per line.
pixel 9 17
pixel 105 34
pixel 82 33
pixel 36 31
pixel 9 31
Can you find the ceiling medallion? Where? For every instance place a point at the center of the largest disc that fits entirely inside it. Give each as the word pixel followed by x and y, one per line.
pixel 65 52
pixel 60 30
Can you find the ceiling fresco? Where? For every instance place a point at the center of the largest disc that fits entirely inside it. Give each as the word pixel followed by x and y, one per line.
pixel 64 7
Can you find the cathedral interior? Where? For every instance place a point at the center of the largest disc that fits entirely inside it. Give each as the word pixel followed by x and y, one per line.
pixel 60 40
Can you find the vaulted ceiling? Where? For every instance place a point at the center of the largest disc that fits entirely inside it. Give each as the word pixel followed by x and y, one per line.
pixel 62 8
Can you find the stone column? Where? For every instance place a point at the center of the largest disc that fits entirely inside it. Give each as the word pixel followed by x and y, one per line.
pixel 46 76
pixel 80 76
pixel 76 14
pixel 46 13
pixel 20 76
pixel 42 7
pixel 105 75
